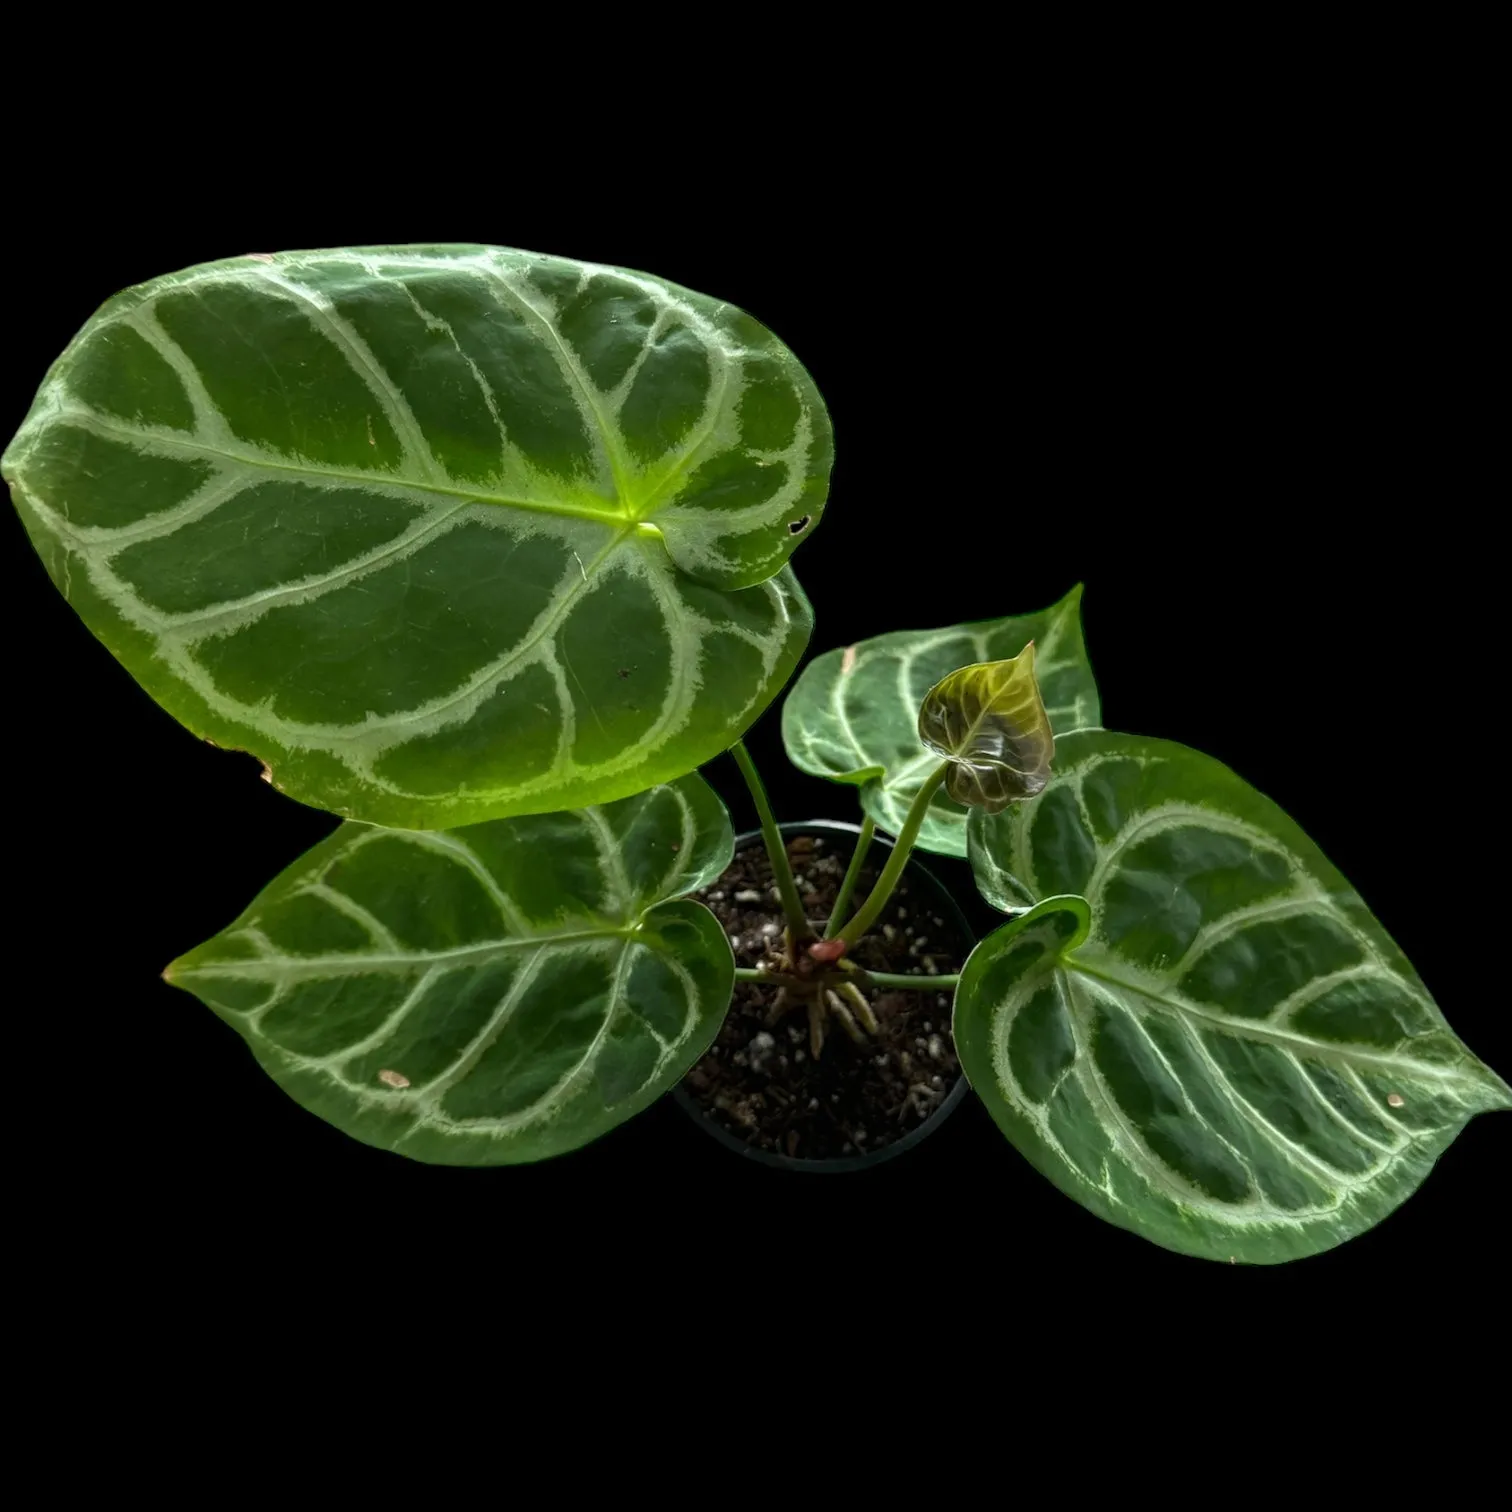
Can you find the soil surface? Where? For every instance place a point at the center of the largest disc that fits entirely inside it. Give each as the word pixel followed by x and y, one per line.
pixel 760 1080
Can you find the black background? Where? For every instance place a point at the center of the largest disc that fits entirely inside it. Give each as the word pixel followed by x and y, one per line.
pixel 1241 403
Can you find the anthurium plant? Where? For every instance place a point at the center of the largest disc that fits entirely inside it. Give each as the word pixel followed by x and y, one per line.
pixel 487 553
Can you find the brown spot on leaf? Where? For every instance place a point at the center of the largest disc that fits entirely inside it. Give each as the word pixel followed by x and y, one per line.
pixel 264 257
pixel 848 661
pixel 1395 1099
pixel 393 1079
pixel 624 672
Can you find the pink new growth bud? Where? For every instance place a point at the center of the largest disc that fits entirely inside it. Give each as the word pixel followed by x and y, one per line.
pixel 827 950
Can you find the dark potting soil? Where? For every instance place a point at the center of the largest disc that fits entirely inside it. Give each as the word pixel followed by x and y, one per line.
pixel 760 1080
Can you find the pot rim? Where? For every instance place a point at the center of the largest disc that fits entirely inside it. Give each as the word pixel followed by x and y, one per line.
pixel 836 1164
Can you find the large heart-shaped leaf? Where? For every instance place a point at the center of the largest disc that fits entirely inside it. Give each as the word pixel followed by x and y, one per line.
pixel 487 995
pixel 1212 1042
pixel 441 534
pixel 853 714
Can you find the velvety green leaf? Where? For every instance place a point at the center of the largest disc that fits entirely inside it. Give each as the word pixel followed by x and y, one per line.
pixel 989 722
pixel 486 995
pixel 1212 1042
pixel 853 714
pixel 440 533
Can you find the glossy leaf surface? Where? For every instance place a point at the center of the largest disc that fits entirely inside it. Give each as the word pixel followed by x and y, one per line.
pixel 487 995
pixel 441 534
pixel 853 714
pixel 1211 1041
pixel 989 723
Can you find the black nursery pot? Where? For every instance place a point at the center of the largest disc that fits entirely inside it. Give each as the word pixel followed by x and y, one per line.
pixel 925 890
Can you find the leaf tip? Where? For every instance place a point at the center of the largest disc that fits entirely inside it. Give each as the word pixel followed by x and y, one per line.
pixel 1501 1091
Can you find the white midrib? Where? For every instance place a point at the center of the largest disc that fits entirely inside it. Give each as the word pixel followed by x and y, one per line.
pixel 1180 1187
pixel 1137 1154
pixel 618 516
pixel 293 968
pixel 362 734
pixel 1175 1183
pixel 1297 1044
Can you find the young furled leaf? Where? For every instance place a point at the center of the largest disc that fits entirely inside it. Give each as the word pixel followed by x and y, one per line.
pixel 989 722
pixel 853 714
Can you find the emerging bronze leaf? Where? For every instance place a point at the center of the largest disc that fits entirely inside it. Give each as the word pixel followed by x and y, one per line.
pixel 989 722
